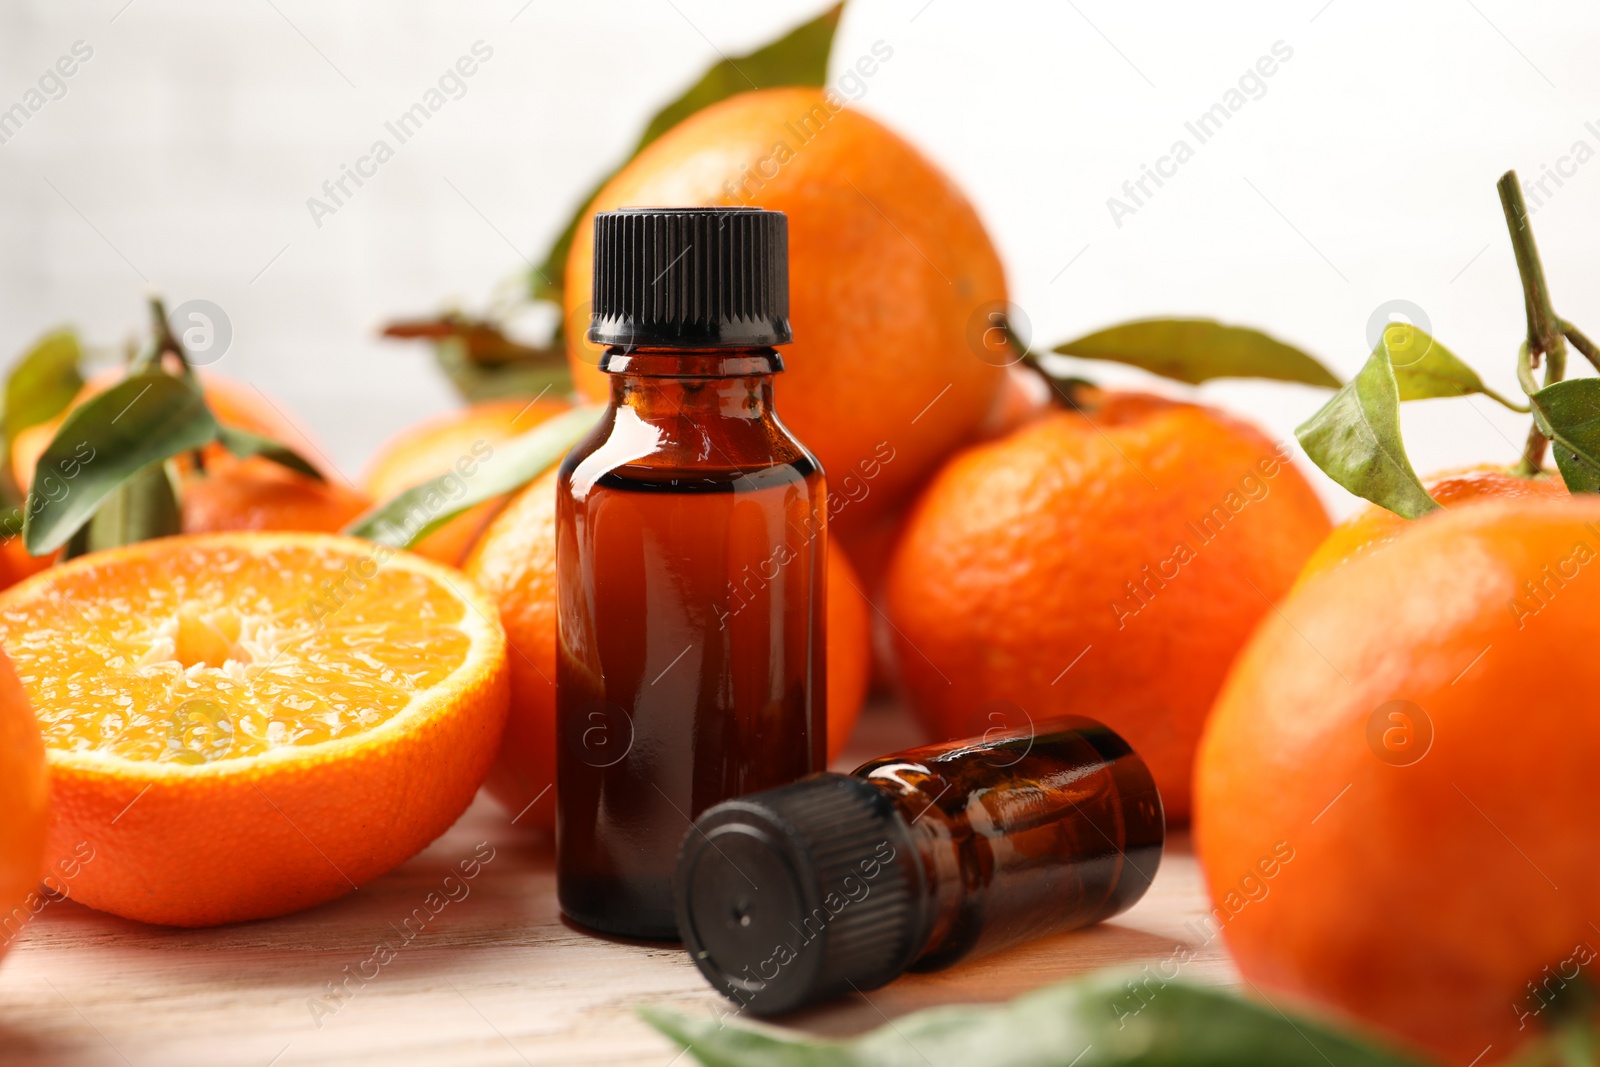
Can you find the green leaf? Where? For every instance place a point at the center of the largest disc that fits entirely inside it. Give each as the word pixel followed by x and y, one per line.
pixel 1569 414
pixel 142 508
pixel 1111 1019
pixel 1355 439
pixel 476 380
pixel 43 382
pixel 799 57
pixel 1424 368
pixel 143 419
pixel 405 519
pixel 1198 350
pixel 244 444
pixel 39 388
pixel 485 364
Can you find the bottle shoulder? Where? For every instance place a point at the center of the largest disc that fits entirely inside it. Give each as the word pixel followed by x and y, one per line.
pixel 688 453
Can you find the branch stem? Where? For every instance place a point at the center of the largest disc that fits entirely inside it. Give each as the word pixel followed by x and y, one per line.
pixel 165 340
pixel 1545 338
pixel 1581 343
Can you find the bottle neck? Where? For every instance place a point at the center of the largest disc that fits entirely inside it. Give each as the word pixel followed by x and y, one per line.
pixel 690 362
pixel 729 383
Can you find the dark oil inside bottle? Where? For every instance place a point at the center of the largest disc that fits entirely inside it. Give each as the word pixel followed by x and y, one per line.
pixel 1024 833
pixel 691 539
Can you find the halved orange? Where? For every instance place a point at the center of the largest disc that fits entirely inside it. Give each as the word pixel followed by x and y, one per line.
pixel 241 725
pixel 24 796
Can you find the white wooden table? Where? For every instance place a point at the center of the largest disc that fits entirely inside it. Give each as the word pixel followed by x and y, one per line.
pixel 496 978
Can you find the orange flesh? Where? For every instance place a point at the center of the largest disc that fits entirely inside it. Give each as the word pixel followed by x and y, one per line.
pixel 199 657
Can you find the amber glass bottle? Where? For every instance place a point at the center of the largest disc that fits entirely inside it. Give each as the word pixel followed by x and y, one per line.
pixel 916 860
pixel 690 552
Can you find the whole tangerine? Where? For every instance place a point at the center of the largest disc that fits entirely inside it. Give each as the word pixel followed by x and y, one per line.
pixel 1394 795
pixel 890 269
pixel 1373 528
pixel 258 494
pixel 1108 561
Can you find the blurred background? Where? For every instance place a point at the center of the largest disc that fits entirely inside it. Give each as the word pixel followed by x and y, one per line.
pixel 182 151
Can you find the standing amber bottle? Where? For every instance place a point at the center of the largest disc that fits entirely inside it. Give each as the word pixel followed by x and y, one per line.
pixel 690 553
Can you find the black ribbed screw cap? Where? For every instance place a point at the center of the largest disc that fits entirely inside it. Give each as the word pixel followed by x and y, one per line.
pixel 800 893
pixel 691 278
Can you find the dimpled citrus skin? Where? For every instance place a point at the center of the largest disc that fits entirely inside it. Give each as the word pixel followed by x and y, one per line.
pixel 233 740
pixel 1010 580
pixel 1372 528
pixel 1421 898
pixel 24 797
pixel 258 494
pixel 888 267
pixel 460 440
pixel 515 563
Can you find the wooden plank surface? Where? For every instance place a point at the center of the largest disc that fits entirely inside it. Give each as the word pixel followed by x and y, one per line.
pixel 496 977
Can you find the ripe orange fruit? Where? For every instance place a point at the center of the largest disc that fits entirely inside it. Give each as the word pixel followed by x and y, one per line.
pixel 1108 564
pixel 242 404
pixel 849 648
pixel 458 440
pixel 515 563
pixel 16 564
pixel 1024 397
pixel 24 796
pixel 1373 528
pixel 870 549
pixel 257 494
pixel 233 403
pixel 242 725
pixel 1409 750
pixel 890 274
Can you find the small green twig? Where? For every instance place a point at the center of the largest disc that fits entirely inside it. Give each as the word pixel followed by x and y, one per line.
pixel 1545 339
pixel 1581 343
pixel 1507 403
pixel 165 340
pixel 1065 389
pixel 1525 378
